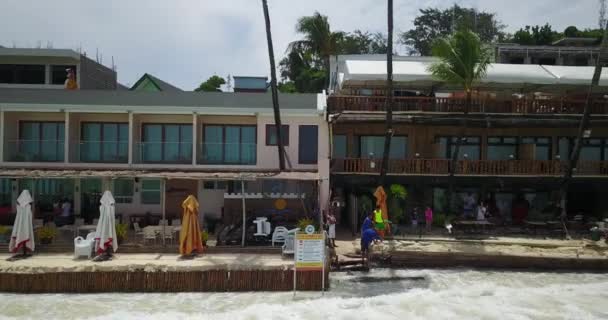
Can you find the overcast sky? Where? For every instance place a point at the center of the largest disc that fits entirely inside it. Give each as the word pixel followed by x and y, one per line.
pixel 186 41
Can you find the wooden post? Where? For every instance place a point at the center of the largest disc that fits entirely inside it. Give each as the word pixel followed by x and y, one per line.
pixel 244 213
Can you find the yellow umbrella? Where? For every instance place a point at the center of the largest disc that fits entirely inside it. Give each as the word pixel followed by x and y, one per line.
pixel 190 234
pixel 381 201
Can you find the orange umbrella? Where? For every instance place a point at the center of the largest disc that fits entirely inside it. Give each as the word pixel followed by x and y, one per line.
pixel 381 201
pixel 190 234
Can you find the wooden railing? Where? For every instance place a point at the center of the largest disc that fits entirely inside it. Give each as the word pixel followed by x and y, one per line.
pixel 470 167
pixel 339 103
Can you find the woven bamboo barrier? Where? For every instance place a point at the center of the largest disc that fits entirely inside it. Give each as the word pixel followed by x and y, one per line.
pixel 140 281
pixel 460 259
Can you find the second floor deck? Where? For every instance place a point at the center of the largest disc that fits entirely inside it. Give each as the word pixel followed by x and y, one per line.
pixel 345 103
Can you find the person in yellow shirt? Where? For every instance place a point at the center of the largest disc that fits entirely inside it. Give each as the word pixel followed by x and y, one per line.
pixel 70 82
pixel 379 222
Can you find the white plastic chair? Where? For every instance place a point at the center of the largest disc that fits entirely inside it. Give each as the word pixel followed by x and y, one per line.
pixel 164 222
pixel 169 234
pixel 137 228
pixel 267 228
pixel 279 235
pixel 95 221
pixel 288 246
pixel 176 223
pixel 84 247
pixel 149 234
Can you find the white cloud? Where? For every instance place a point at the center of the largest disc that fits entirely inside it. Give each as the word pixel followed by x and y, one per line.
pixel 186 41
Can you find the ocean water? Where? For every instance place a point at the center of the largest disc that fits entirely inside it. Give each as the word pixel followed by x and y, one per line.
pixel 380 294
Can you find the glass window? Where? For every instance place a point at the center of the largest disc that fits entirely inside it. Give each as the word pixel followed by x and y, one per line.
pixel 6 192
pixel 542 146
pixel 59 73
pixel 22 73
pixel 502 148
pixel 150 191
pixel 339 146
pixel 167 143
pixel 41 141
pixel 107 142
pixel 564 148
pixel 229 144
pixel 469 147
pixel 591 150
pixel 308 140
pixel 123 190
pixel 46 192
pixel 271 135
pixel 373 147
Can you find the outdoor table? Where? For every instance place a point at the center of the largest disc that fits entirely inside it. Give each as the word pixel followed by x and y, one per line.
pixel 86 227
pixel 472 226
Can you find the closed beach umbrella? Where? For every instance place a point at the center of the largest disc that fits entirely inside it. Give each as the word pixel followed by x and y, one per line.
pixel 105 234
pixel 22 237
pixel 190 234
pixel 380 196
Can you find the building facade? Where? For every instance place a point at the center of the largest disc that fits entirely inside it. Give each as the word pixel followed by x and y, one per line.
pixel 515 141
pixel 152 149
pixel 46 69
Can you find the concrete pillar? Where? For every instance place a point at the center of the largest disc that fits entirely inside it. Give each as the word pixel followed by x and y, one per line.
pixel 47 74
pixel 194 136
pixel 130 137
pixel 2 125
pixel 14 193
pixel 77 198
pixel 66 138
pixel 78 81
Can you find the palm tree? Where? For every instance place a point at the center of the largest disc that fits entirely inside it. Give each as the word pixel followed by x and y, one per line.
pixel 462 62
pixel 318 40
pixel 388 104
pixel 585 123
pixel 273 88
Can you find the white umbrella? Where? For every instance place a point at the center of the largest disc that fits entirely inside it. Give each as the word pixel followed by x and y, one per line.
pixel 105 235
pixel 23 230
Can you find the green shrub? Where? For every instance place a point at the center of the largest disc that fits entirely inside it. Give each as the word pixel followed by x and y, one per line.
pixel 121 231
pixel 4 230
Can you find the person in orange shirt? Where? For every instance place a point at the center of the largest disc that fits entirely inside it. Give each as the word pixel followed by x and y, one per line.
pixel 70 82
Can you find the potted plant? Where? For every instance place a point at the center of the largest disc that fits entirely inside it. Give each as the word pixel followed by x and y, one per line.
pixel 204 237
pixel 46 234
pixel 121 232
pixel 4 237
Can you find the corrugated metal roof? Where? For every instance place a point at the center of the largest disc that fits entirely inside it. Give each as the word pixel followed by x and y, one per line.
pixel 162 85
pixel 169 99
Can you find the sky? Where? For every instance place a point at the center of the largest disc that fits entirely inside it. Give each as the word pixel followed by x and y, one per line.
pixel 186 41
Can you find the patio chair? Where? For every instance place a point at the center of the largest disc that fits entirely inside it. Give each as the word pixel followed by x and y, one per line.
pixel 137 228
pixel 279 235
pixel 169 234
pixel 149 234
pixel 265 229
pixel 95 221
pixel 288 246
pixel 164 222
pixel 176 222
pixel 84 247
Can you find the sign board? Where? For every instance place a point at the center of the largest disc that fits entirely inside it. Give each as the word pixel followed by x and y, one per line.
pixel 309 251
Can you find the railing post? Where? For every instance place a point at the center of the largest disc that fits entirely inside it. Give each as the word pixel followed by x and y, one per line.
pixel 194 136
pixel 130 155
pixel 66 138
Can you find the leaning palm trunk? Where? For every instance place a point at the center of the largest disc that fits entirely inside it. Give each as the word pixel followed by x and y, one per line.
pixel 273 88
pixel 453 166
pixel 389 97
pixel 585 123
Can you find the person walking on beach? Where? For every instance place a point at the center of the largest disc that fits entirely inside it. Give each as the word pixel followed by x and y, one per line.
pixel 330 220
pixel 428 216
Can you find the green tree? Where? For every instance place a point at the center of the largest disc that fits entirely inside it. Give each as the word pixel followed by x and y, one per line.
pixel 287 87
pixel 211 85
pixel 536 35
pixel 307 60
pixel 434 23
pixel 463 61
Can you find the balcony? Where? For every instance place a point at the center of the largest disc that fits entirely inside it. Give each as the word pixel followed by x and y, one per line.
pixel 228 153
pixel 163 152
pixel 339 103
pixel 34 151
pixel 100 151
pixel 440 167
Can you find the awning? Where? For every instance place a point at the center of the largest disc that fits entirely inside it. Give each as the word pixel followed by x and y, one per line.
pixel 22 173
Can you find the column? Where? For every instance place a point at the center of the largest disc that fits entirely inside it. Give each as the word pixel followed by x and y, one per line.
pixel 47 74
pixel 66 138
pixel 2 136
pixel 559 61
pixel 130 137
pixel 77 200
pixel 14 193
pixel 528 60
pixel 194 136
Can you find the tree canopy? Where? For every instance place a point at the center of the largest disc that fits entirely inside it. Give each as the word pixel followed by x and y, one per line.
pixel 434 23
pixel 545 35
pixel 306 62
pixel 212 84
